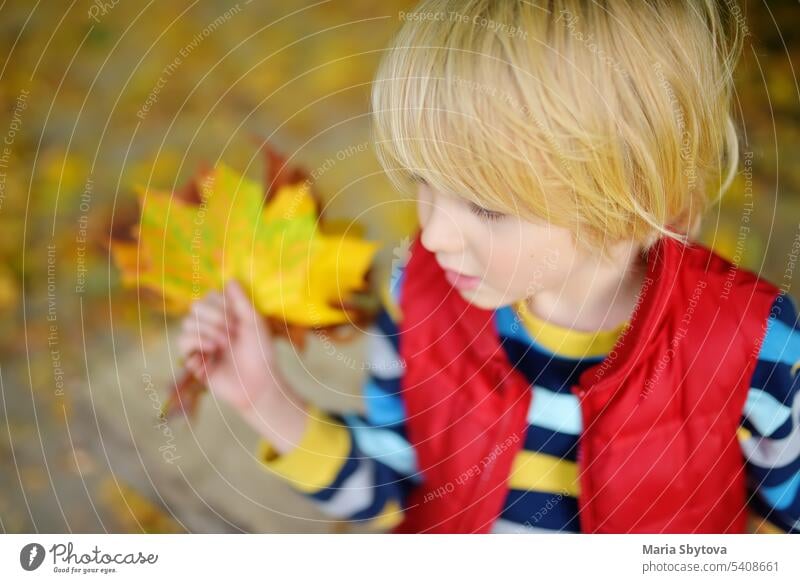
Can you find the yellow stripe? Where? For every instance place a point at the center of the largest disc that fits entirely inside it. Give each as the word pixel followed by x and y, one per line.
pixel 757 524
pixel 389 517
pixel 743 434
pixel 316 461
pixel 544 473
pixel 567 341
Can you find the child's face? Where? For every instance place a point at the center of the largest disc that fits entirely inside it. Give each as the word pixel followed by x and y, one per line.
pixel 511 258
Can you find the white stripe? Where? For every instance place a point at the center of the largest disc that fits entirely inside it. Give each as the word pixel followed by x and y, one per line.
pixel 384 362
pixel 765 412
pixel 775 453
pixel 555 411
pixel 386 446
pixel 503 526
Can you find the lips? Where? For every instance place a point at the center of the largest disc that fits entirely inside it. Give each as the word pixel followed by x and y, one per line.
pixel 460 280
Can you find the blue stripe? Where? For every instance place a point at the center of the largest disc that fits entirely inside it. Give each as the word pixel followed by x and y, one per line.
pixel 776 517
pixel 776 379
pixel 551 442
pixel 784 309
pixel 781 343
pixel 542 510
pixel 384 445
pixel 388 386
pixel 388 328
pixel 551 372
pixel 779 433
pixel 768 477
pixel 508 325
pixel 347 470
pixel 387 485
pixel 782 495
pixel 396 282
pixel 383 408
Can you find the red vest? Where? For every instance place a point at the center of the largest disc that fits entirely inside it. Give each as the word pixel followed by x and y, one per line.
pixel 658 452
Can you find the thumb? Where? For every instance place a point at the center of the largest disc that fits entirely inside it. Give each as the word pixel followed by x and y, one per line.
pixel 242 306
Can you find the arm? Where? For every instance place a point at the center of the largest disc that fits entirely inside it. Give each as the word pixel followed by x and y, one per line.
pixel 770 429
pixel 357 467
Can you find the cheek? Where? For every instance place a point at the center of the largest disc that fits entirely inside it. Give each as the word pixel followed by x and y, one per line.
pixel 508 264
pixel 524 260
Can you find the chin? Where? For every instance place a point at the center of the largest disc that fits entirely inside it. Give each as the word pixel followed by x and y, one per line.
pixel 481 300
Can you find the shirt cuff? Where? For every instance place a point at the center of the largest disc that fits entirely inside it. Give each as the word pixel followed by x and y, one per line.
pixel 315 462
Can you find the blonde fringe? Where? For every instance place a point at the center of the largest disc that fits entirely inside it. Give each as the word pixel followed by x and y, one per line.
pixel 612 119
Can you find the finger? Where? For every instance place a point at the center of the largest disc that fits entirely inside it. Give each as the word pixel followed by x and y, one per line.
pixel 206 362
pixel 206 329
pixel 231 319
pixel 210 300
pixel 187 343
pixel 201 368
pixel 193 365
pixel 214 297
pixel 201 334
pixel 190 341
pixel 214 315
pixel 242 306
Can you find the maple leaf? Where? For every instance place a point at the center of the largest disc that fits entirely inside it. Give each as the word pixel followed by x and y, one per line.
pixel 220 227
pixel 291 269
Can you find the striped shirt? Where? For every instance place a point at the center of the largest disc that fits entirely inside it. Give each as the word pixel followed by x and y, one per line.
pixel 360 467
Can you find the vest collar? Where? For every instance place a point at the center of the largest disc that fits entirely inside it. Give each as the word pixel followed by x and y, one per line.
pixel 663 263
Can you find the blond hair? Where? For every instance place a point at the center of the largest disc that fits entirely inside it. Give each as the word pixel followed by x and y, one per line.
pixel 609 118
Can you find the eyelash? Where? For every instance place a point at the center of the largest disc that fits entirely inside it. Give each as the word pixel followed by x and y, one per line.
pixel 485 213
pixel 476 210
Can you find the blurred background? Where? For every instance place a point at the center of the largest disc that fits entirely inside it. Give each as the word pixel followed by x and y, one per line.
pixel 100 96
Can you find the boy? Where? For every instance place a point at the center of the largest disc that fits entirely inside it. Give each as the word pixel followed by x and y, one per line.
pixel 556 355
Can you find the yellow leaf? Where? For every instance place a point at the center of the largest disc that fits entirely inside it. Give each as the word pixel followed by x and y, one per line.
pixel 276 251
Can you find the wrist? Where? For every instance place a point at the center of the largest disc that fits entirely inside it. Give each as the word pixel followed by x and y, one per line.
pixel 280 416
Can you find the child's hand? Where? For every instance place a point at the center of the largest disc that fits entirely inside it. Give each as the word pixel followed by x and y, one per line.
pixel 227 345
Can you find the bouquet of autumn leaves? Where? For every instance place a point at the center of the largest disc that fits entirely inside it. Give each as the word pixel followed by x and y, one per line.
pixel 301 272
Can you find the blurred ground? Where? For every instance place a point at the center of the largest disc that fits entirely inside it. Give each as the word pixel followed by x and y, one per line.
pixel 98 96
pixel 102 96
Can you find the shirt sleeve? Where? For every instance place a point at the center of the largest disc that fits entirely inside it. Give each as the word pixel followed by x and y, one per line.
pixel 353 466
pixel 770 430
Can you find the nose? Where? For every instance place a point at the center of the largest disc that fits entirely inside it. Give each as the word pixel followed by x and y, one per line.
pixel 441 233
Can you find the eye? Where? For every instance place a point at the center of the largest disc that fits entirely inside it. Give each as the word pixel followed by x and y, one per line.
pixel 485 213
